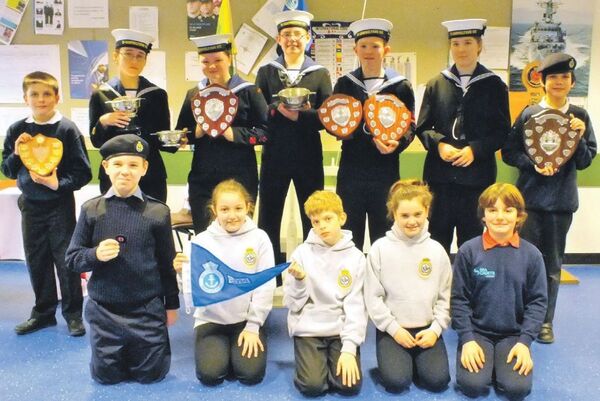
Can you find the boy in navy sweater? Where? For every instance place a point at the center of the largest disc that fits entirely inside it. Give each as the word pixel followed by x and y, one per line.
pixel 551 194
pixel 124 238
pixel 47 204
pixel 498 299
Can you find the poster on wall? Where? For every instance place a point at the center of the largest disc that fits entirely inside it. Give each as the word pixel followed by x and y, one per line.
pixel 88 66
pixel 48 17
pixel 542 27
pixel 202 17
pixel 11 13
pixel 333 47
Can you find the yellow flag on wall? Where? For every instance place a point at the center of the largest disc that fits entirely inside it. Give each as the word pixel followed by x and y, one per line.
pixel 225 24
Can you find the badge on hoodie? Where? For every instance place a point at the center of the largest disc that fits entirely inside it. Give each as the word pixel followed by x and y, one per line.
pixel 250 258
pixel 344 279
pixel 425 268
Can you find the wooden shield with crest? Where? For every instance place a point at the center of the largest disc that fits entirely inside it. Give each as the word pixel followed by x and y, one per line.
pixel 214 109
pixel 386 117
pixel 41 154
pixel 549 139
pixel 340 115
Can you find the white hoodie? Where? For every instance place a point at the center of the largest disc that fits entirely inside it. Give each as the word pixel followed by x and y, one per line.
pixel 408 282
pixel 329 300
pixel 248 250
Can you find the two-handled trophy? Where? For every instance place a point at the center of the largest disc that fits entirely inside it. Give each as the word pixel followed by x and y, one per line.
pixel 214 109
pixel 549 139
pixel 41 154
pixel 129 105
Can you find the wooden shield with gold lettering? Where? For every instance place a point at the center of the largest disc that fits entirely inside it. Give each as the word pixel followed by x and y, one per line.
pixel 549 139
pixel 340 115
pixel 214 109
pixel 386 117
pixel 41 154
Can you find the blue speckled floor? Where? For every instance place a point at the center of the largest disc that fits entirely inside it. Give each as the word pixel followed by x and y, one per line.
pixel 49 365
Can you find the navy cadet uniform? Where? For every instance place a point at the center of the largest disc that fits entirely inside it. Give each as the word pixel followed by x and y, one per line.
pixel 48 219
pixel 363 169
pixel 293 150
pixel 476 115
pixel 217 159
pixel 550 200
pixel 128 294
pixel 152 116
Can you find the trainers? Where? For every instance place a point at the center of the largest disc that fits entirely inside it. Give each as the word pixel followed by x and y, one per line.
pixel 76 327
pixel 34 324
pixel 184 216
pixel 546 335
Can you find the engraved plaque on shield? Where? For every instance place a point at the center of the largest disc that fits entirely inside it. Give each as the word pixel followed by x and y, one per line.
pixel 41 154
pixel 386 117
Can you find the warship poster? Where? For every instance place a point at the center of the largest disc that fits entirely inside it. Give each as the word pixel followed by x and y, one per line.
pixel 541 27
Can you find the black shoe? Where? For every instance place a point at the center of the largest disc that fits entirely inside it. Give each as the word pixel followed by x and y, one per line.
pixel 34 324
pixel 546 335
pixel 76 328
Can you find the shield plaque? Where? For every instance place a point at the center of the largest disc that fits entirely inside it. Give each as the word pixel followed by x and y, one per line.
pixel 386 117
pixel 41 154
pixel 214 109
pixel 549 139
pixel 340 115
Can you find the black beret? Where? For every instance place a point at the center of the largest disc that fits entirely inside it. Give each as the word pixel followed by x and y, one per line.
pixel 127 144
pixel 557 63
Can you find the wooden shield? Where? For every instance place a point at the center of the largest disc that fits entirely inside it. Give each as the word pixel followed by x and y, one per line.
pixel 41 154
pixel 549 139
pixel 214 109
pixel 340 115
pixel 386 117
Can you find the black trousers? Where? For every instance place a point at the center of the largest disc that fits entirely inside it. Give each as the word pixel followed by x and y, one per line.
pixel 399 366
pixel 495 370
pixel 548 232
pixel 200 194
pixel 130 344
pixel 316 364
pixel 274 184
pixel 218 355
pixel 454 206
pixel 361 199
pixel 47 229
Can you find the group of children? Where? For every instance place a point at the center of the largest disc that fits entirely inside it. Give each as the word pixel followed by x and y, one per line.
pixel 410 290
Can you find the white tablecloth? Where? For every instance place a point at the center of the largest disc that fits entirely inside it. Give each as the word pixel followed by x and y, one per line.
pixel 11 240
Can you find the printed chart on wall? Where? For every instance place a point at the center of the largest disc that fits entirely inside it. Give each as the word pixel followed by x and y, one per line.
pixel 11 12
pixel 542 27
pixel 333 47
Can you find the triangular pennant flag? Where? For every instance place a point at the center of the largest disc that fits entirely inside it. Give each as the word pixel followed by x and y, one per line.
pixel 212 281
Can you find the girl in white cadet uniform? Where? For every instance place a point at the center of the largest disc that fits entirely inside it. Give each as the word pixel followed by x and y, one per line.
pixel 228 336
pixel 323 291
pixel 407 293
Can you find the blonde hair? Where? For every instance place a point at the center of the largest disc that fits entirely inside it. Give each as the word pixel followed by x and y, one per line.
pixel 323 201
pixel 509 195
pixel 407 190
pixel 231 186
pixel 40 77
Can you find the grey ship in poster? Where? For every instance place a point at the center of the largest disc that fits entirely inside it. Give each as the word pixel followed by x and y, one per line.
pixel 547 35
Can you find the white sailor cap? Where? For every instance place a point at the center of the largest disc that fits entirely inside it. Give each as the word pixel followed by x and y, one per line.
pixel 132 38
pixel 465 27
pixel 213 43
pixel 293 18
pixel 378 27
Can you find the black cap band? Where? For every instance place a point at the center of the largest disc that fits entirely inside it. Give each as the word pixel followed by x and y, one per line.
pixel 380 33
pixel 292 24
pixel 133 43
pixel 466 32
pixel 221 47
